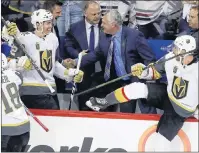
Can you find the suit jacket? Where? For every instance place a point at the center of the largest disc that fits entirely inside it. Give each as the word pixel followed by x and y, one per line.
pixel 76 41
pixel 134 49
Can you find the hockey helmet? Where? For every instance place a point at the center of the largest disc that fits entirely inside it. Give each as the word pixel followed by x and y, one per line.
pixel 40 16
pixel 184 44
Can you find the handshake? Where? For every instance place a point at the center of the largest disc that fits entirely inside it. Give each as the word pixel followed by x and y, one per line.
pixel 136 69
pixel 71 63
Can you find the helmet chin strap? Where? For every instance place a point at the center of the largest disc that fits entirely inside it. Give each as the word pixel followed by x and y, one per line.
pixel 42 30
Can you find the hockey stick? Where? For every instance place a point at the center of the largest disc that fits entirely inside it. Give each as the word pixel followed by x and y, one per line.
pixel 6 4
pixel 74 85
pixel 36 119
pixel 128 75
pixel 31 60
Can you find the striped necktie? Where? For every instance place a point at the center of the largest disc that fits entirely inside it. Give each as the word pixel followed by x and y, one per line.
pixel 108 61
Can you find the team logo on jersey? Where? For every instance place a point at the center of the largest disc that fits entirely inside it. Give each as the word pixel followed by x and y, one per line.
pixel 46 60
pixel 179 87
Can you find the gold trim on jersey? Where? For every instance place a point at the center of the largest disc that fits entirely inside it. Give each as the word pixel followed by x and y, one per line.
pixel 156 74
pixel 37 84
pixel 120 95
pixel 16 124
pixel 179 104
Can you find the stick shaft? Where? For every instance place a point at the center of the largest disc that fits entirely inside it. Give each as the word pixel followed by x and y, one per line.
pixel 36 119
pixel 127 75
pixel 74 85
pixel 103 84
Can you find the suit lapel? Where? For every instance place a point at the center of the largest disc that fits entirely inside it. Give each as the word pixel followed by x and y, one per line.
pixel 82 35
pixel 108 39
pixel 123 45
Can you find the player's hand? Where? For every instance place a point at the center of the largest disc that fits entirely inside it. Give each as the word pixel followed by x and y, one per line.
pixel 12 29
pixel 137 69
pixel 69 63
pixel 79 77
pixel 25 63
pixel 73 75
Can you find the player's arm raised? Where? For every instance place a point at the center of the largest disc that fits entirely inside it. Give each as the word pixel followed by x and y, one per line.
pixel 22 63
pixel 154 71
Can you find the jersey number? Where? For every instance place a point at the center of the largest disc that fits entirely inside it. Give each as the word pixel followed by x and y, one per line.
pixel 13 98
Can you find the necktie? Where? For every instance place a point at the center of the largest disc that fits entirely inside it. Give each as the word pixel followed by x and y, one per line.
pixel 108 61
pixel 92 39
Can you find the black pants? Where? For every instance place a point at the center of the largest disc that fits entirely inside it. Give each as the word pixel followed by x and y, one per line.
pixel 40 101
pixel 89 82
pixel 170 122
pixel 16 143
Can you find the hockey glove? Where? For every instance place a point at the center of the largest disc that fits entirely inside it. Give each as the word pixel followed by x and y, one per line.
pixel 72 75
pixel 25 63
pixel 12 29
pixel 79 77
pixel 137 69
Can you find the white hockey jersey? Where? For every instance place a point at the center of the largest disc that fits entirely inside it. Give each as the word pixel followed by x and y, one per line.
pixel 42 51
pixel 118 5
pixel 182 86
pixel 14 118
pixel 149 11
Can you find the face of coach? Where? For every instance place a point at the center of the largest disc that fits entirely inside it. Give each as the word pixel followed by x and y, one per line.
pixel 193 18
pixel 92 12
pixel 111 22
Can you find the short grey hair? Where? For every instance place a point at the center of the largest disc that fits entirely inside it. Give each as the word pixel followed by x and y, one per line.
pixel 195 7
pixel 115 16
pixel 88 3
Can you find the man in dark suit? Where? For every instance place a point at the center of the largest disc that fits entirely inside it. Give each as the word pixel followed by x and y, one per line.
pixel 55 8
pixel 83 36
pixel 121 47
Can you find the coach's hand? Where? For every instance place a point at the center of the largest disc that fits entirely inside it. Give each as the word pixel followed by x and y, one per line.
pixel 69 63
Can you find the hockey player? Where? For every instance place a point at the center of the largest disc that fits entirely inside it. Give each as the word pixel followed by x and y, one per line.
pixel 15 124
pixel 179 99
pixel 41 45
